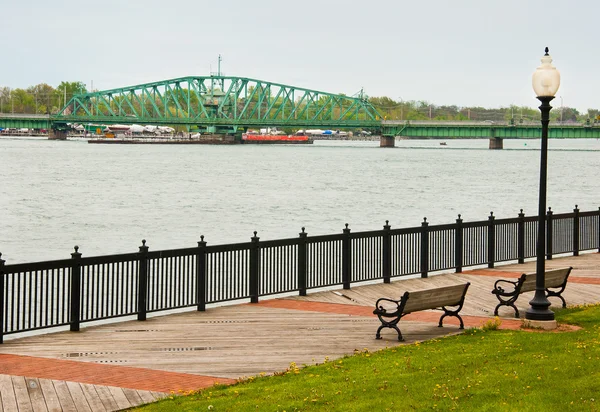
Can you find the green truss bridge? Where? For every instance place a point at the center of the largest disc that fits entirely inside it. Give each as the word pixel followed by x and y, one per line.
pixel 218 104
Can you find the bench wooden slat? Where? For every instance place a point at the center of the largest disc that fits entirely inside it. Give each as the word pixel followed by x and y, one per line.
pixel 553 279
pixel 434 298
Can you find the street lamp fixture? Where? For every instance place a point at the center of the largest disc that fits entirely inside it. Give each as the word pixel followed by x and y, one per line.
pixel 546 80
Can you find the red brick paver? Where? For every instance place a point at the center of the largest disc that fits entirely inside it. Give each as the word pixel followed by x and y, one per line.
pixel 109 375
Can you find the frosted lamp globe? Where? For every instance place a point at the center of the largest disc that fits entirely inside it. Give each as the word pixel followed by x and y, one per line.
pixel 546 79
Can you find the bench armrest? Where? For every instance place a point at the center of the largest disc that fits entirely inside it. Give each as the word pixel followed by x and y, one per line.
pixel 500 285
pixel 380 310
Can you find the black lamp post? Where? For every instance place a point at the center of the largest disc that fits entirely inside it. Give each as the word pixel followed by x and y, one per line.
pixel 546 80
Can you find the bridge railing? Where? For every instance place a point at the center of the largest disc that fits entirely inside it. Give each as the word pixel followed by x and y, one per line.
pixel 56 293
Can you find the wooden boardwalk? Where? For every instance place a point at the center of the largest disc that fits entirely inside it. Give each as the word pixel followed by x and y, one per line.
pixel 103 367
pixel 19 393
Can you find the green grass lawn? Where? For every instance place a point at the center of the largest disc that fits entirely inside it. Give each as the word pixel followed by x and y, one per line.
pixel 481 370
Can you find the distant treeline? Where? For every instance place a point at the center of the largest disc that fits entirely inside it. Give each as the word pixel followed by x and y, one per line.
pixel 45 99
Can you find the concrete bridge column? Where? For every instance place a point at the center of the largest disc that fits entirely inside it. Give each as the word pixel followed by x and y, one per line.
pixel 57 134
pixel 496 143
pixel 387 141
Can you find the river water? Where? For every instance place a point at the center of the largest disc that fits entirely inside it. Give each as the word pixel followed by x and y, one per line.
pixel 107 198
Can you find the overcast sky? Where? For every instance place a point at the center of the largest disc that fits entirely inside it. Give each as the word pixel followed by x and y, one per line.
pixel 463 52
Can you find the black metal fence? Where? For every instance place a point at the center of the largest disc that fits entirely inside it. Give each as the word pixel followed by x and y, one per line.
pixel 83 289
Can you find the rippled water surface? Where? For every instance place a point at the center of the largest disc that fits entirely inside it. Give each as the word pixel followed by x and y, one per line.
pixel 106 198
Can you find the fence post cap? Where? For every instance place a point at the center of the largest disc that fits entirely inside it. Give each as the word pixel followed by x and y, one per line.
pixel 76 254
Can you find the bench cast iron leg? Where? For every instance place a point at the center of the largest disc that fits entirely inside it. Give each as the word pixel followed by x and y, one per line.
pixel 462 325
pixel 378 334
pixel 506 304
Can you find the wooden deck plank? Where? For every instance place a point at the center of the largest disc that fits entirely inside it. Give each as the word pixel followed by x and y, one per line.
pixel 36 396
pixel 21 394
pixel 50 396
pixel 158 395
pixel 78 397
pixel 9 401
pixel 133 397
pixel 145 396
pixel 119 397
pixel 64 396
pixel 92 397
pixel 108 401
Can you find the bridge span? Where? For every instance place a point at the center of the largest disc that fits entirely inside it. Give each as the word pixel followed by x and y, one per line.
pixel 231 105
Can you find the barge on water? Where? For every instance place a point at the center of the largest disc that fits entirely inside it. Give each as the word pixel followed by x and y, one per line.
pixel 275 139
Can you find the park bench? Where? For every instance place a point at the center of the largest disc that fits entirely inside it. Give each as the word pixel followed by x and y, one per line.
pixel 390 311
pixel 508 291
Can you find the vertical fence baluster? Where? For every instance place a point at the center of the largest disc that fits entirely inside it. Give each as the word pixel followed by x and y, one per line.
pixel 424 248
pixel 576 232
pixel 491 240
pixel 254 268
pixel 387 253
pixel 521 237
pixel 346 258
pixel 549 236
pixel 1 299
pixel 458 245
pixel 201 275
pixel 75 290
pixel 598 237
pixel 302 263
pixel 142 281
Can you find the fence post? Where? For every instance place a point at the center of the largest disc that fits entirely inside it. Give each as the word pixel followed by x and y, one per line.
pixel 424 248
pixel 75 290
pixel 254 268
pixel 598 229
pixel 521 237
pixel 576 232
pixel 142 281
pixel 201 275
pixel 346 259
pixel 387 253
pixel 458 245
pixel 302 263
pixel 549 234
pixel 1 299
pixel 491 240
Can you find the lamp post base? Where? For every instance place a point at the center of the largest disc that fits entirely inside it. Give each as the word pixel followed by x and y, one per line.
pixel 540 324
pixel 539 311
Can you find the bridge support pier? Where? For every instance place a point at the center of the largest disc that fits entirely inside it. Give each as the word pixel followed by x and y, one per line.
pixel 387 141
pixel 496 143
pixel 57 134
